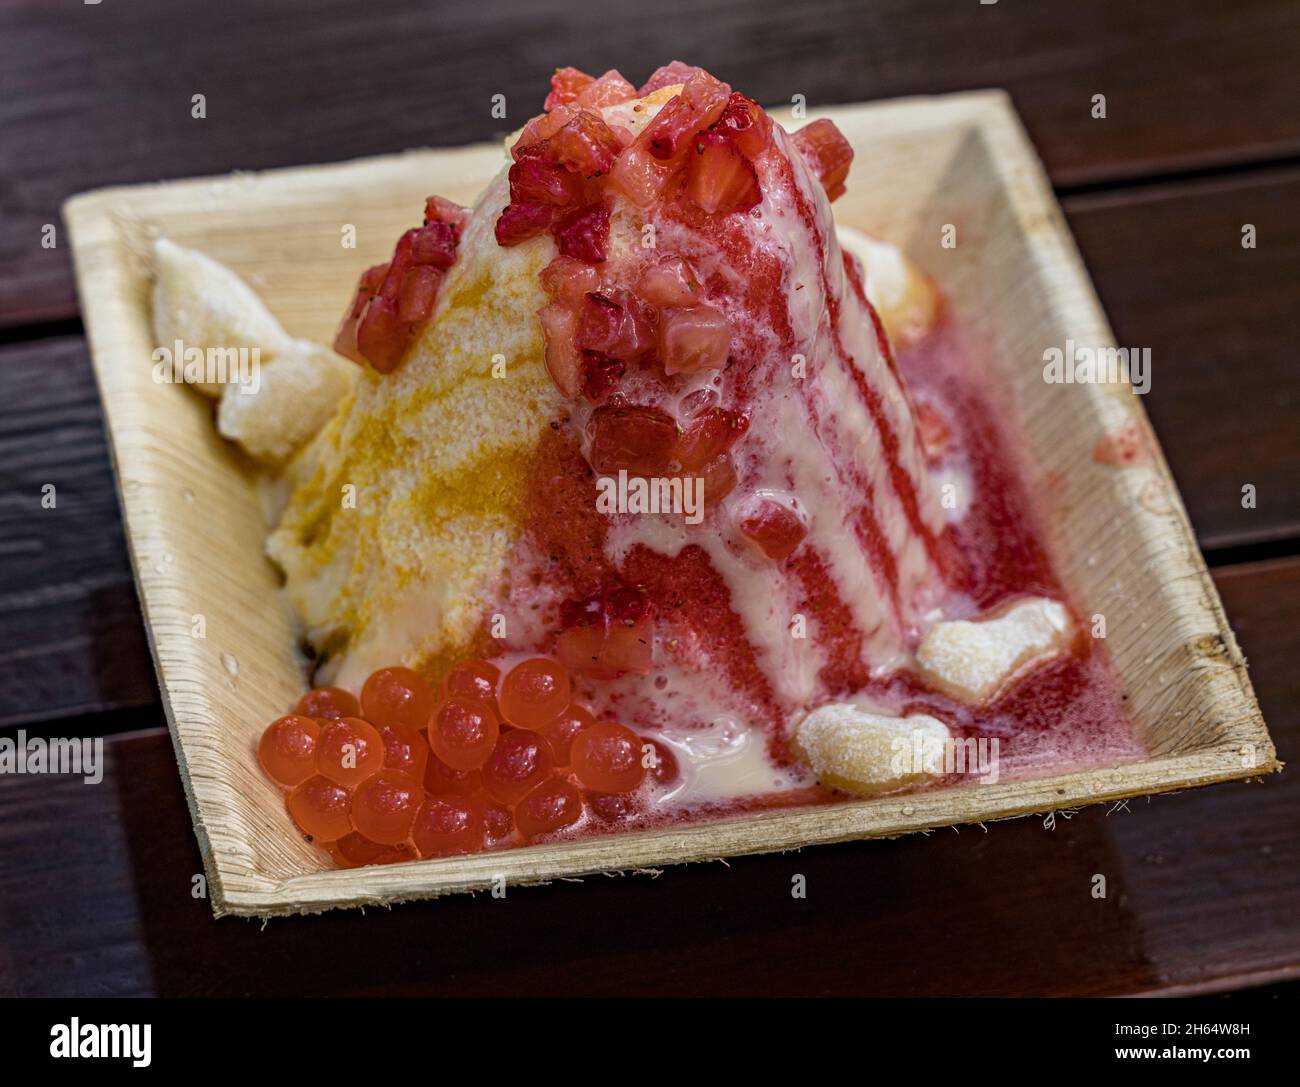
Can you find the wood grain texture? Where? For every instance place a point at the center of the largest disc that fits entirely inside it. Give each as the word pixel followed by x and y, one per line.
pixel 101 94
pixel 1014 282
pixel 72 639
pixel 1221 322
pixel 1203 893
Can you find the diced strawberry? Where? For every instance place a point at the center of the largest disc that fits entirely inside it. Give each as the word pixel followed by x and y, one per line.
pixel 608 90
pixel 607 635
pixel 583 233
pixel 669 282
pixel 543 127
pixel 586 145
pixel 772 526
pixel 567 280
pixel 600 374
pixel 719 179
pixel 668 75
pixel 613 325
pixel 693 338
pixel 519 222
pixel 438 209
pixel 345 340
pixel 710 435
pixel 719 479
pixel 536 178
pixel 827 153
pixel 631 437
pixel 435 244
pixel 748 127
pixel 566 84
pixel 382 336
pixel 418 291
pixel 639 176
pixel 563 359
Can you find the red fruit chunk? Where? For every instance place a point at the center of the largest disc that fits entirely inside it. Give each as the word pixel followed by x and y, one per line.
pixel 518 763
pixel 553 805
pixel 608 90
pixel 565 85
pixel 600 374
pixel 355 850
pixel 585 145
pixel 719 179
pixel 693 339
pixel 447 825
pixel 567 280
pixel 345 339
pixel 534 693
pixel 773 527
pixel 405 749
pixel 607 635
pixel 463 732
pixel 669 282
pixel 543 127
pixel 613 324
pixel 520 222
pixel 827 153
pixel 583 233
pixel 564 362
pixel 473 678
pixel 384 807
pixel 564 728
pixel 438 209
pixel 330 703
pixel 746 125
pixel 287 750
pixel 608 758
pixel 668 75
pixel 319 807
pixel 711 433
pixel 640 440
pixel 719 479
pixel 382 336
pixel 435 244
pixel 397 696
pixel 417 294
pixel 639 176
pixel 536 178
pixel 349 751
pixel 441 779
pixel 701 102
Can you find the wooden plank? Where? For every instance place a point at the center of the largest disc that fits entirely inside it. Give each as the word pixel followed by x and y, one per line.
pixel 1203 892
pixel 71 637
pixel 1220 319
pixel 101 94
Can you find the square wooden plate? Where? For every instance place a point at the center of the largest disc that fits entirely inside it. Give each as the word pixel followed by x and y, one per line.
pixel 195 524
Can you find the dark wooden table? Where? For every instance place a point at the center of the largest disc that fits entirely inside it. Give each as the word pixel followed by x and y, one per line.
pixel 1202 136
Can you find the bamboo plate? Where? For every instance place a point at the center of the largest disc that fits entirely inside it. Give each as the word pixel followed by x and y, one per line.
pixel 195 524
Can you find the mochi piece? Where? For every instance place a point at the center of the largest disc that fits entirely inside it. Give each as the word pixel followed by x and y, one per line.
pixel 293 396
pixel 203 304
pixel 861 751
pixel 973 659
pixel 904 296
